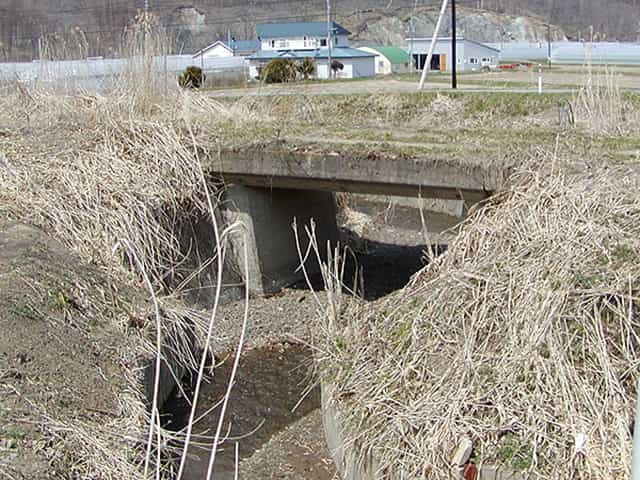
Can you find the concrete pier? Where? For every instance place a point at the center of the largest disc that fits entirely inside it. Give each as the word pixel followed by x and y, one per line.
pixel 268 216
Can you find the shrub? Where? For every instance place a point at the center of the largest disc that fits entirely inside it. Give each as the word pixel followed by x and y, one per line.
pixel 336 65
pixel 279 70
pixel 192 77
pixel 307 68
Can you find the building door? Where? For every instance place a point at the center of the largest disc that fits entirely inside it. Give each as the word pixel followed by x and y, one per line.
pixel 443 63
pixel 435 62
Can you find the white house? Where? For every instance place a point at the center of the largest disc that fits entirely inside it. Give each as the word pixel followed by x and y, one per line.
pixel 355 63
pixel 232 48
pixel 301 40
pixel 218 49
pixel 389 59
pixel 471 55
pixel 300 36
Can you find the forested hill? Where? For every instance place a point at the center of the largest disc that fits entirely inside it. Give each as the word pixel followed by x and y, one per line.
pixel 73 28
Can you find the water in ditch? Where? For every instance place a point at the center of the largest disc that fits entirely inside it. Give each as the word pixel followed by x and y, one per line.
pixel 273 427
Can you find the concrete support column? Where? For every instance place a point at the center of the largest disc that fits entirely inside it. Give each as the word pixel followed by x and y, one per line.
pixel 268 216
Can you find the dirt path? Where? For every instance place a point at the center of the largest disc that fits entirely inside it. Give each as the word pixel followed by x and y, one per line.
pixel 273 393
pixel 297 452
pixel 363 87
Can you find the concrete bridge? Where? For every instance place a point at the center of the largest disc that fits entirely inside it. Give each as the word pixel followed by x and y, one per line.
pixel 270 187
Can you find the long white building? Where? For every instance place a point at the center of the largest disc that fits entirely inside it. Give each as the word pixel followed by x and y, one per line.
pixel 471 55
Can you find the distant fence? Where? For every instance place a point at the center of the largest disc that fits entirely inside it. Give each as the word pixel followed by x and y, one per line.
pixel 100 75
pixel 598 53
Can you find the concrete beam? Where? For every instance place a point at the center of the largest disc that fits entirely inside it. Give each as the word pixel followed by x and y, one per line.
pixel 383 175
pixel 268 216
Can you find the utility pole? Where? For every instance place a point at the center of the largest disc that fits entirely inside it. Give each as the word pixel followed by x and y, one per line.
pixel 144 27
pixel 412 34
pixel 551 17
pixel 548 44
pixel 454 42
pixel 427 64
pixel 329 39
pixel 411 37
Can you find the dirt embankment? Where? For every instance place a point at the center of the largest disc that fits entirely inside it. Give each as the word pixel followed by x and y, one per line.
pixel 67 359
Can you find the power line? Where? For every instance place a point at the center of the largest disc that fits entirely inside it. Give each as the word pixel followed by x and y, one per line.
pixel 229 21
pixel 235 20
pixel 160 5
pixel 454 44
pixel 71 11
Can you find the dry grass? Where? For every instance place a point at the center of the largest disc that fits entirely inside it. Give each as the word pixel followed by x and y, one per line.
pixel 96 169
pixel 522 336
pixel 602 108
pixel 99 172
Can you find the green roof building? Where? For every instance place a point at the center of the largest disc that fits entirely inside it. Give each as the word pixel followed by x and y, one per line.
pixel 389 59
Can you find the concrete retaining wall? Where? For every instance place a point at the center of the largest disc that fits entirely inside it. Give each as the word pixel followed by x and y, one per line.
pixel 348 465
pixel 352 468
pixel 171 369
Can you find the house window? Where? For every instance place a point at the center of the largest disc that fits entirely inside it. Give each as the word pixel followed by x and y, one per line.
pixel 273 44
pixel 381 64
pixel 473 61
pixel 336 42
pixel 486 60
pixel 323 42
pixel 305 41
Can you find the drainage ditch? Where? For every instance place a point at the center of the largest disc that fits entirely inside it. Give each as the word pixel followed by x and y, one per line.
pixel 274 411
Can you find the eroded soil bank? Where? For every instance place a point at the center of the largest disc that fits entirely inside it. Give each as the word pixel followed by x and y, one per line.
pixel 67 365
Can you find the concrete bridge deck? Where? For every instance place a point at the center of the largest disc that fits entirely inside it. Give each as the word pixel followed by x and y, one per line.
pixel 357 173
pixel 270 188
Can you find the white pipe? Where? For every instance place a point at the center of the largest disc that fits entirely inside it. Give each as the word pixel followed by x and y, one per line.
pixel 635 455
pixel 540 79
pixel 427 64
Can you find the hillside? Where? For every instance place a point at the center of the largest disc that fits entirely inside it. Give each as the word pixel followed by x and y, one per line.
pixel 76 28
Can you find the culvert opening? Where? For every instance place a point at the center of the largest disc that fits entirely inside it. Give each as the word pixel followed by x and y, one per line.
pixel 276 440
pixel 387 242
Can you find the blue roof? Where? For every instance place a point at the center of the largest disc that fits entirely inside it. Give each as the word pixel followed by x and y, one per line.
pixel 298 29
pixel 336 52
pixel 244 45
